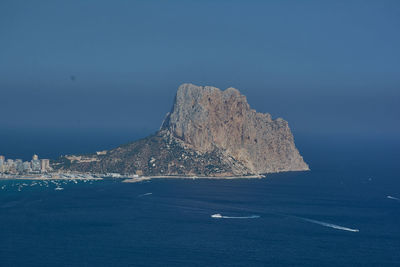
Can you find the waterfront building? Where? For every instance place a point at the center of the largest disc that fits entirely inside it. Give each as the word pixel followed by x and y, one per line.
pixel 44 165
pixel 27 166
pixel 11 166
pixel 35 162
pixel 6 168
pixel 10 162
pixel 19 166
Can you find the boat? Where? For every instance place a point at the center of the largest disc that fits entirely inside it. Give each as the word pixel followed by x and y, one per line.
pixel 217 215
pixel 58 188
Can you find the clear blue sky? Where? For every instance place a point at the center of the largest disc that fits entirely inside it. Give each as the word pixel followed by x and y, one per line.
pixel 325 66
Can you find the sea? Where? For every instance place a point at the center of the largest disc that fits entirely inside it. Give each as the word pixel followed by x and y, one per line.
pixel 345 211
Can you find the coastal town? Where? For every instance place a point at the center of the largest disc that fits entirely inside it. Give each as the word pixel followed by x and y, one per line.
pixel 36 168
pixel 40 169
pixel 39 172
pixel 19 167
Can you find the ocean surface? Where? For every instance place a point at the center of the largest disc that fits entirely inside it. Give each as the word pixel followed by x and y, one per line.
pixel 344 212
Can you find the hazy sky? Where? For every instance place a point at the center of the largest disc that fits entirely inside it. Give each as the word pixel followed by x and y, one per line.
pixel 82 66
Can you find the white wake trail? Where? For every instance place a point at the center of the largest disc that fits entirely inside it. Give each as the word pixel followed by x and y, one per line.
pixel 331 225
pixel 146 194
pixel 394 198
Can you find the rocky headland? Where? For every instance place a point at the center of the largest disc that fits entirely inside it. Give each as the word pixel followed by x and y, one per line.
pixel 208 133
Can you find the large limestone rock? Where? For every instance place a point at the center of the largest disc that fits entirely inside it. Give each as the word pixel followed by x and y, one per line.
pixel 208 132
pixel 207 118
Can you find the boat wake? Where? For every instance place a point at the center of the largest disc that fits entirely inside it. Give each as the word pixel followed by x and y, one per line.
pixel 394 198
pixel 219 216
pixel 331 225
pixel 146 194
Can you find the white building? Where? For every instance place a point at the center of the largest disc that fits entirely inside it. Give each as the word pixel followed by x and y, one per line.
pixel 44 165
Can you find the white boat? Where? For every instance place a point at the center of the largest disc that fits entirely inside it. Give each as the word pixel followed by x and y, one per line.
pixel 217 215
pixel 58 188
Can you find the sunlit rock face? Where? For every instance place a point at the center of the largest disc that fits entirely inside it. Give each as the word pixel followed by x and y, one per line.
pixel 207 118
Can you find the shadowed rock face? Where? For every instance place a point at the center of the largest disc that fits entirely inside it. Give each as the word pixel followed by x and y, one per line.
pixel 208 132
pixel 207 118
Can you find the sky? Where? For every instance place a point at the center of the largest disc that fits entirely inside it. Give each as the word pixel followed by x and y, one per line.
pixel 113 67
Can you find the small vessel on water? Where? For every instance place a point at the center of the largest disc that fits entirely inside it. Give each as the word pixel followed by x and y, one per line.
pixel 219 216
pixel 58 188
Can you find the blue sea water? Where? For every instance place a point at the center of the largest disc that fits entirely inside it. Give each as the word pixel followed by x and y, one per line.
pixel 286 219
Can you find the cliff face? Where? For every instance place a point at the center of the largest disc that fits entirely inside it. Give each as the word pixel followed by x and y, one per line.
pixel 207 118
pixel 208 132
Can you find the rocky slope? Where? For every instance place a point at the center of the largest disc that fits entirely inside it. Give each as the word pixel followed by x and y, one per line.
pixel 208 132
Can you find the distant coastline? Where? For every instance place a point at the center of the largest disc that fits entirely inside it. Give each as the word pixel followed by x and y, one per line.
pixel 146 178
pixel 52 176
pixel 125 179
